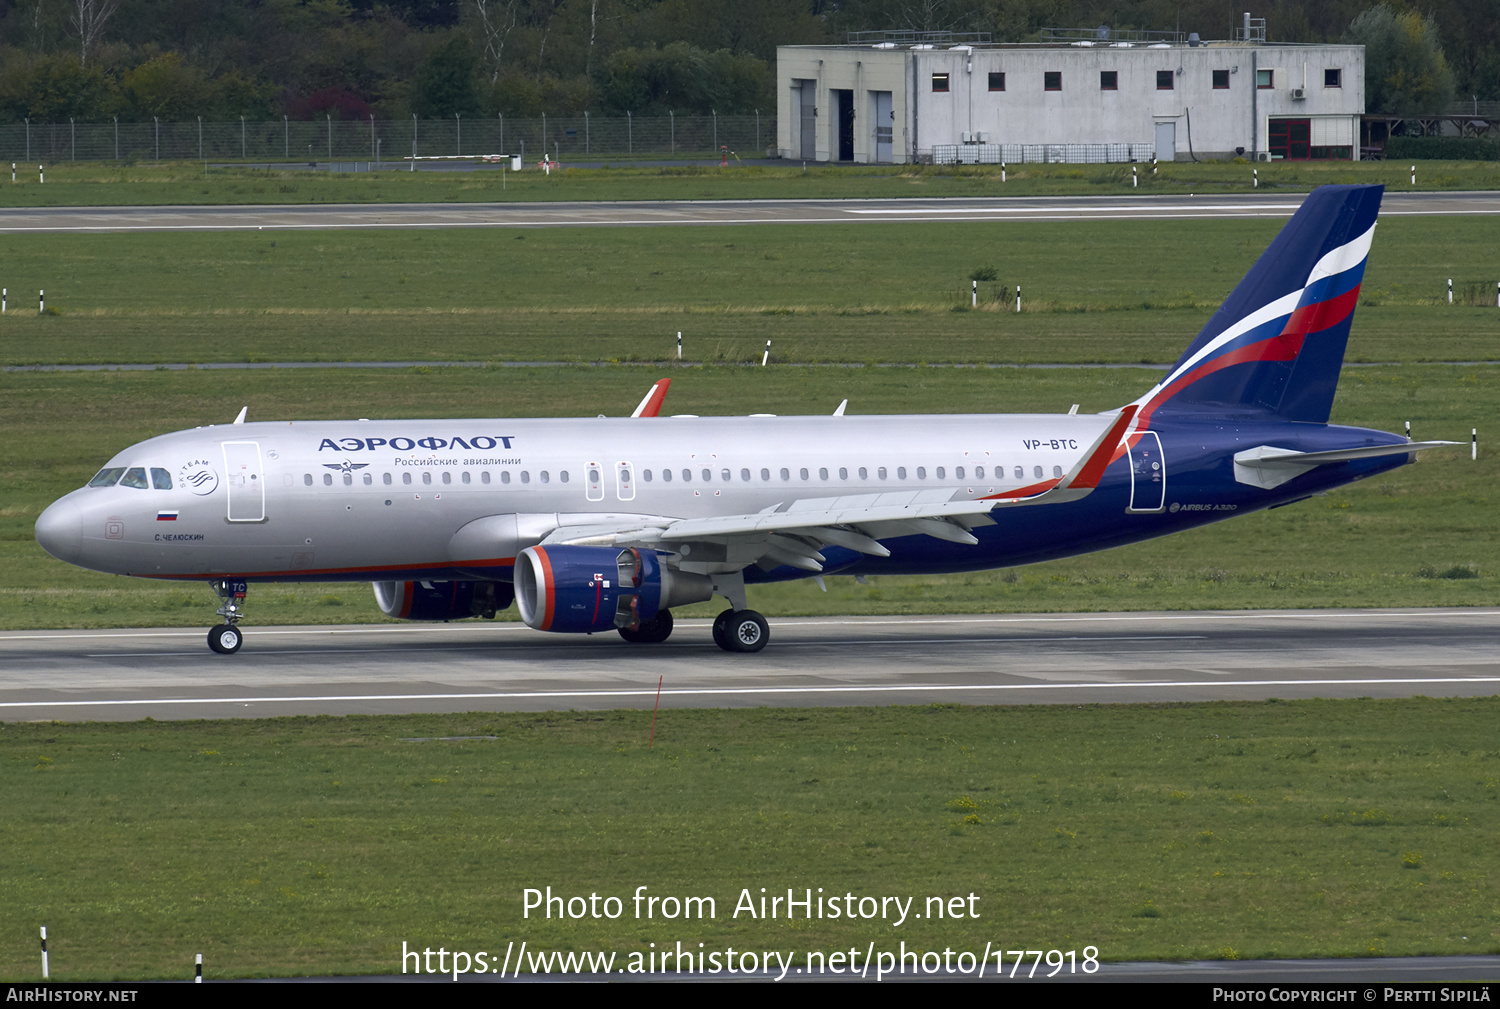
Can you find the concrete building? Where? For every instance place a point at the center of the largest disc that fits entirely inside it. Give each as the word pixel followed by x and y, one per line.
pixel 897 97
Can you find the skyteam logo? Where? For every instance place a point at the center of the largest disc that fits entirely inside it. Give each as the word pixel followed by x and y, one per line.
pixel 199 477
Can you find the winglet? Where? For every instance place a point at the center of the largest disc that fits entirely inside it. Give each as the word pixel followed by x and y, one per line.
pixel 240 419
pixel 651 405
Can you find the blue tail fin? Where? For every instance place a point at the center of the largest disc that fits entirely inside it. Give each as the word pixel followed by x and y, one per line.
pixel 1277 343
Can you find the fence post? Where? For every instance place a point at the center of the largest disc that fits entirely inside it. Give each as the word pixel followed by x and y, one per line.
pixel 28 138
pixel 715 114
pixel 329 117
pixel 372 137
pixel 585 131
pixel 629 134
pixel 286 138
pixel 414 141
pixel 158 137
pixel 117 138
pixel 244 150
pixel 757 130
pixel 200 138
pixel 458 134
pixel 673 126
pixel 502 131
pixel 544 136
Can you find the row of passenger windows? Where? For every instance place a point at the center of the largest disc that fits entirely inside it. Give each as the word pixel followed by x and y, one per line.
pixel 686 475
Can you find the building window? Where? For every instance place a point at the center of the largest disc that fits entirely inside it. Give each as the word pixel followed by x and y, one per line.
pixel 1333 78
pixel 1109 80
pixel 1265 79
pixel 997 82
pixel 1221 80
pixel 1052 80
pixel 1164 80
pixel 940 82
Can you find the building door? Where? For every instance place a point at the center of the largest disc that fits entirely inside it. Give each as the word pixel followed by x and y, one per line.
pixel 885 126
pixel 807 97
pixel 1290 139
pixel 243 477
pixel 845 101
pixel 1166 141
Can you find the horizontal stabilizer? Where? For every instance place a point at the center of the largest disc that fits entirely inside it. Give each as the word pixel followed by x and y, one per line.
pixel 1267 466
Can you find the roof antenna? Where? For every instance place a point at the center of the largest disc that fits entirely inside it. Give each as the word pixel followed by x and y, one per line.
pixel 241 418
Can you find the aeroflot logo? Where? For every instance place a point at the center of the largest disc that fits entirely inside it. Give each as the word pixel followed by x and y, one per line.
pixel 484 441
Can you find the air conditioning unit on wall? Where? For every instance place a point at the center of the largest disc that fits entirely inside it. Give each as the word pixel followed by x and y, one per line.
pixel 1298 94
pixel 1262 155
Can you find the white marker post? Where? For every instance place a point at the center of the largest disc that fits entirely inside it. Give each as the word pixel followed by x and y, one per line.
pixel 1018 297
pixel 1414 175
pixel 1450 290
pixel 766 357
pixel 198 970
pixel 679 345
pixel 45 973
pixel 1474 443
pixel 4 293
pixel 1408 430
pixel 41 302
pixel 1497 294
pixel 1153 166
pixel 974 296
pixel 1002 171
pixel 41 173
pixel 1135 180
pixel 12 172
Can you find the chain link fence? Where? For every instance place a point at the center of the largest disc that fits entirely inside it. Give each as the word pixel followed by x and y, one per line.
pixel 567 138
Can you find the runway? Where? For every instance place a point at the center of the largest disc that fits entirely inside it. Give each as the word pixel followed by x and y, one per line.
pixel 715 212
pixel 1011 659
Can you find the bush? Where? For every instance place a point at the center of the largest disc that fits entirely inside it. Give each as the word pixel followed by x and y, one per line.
pixel 1442 149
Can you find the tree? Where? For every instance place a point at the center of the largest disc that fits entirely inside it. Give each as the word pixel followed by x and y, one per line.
pixel 1405 72
pixel 89 18
pixel 445 83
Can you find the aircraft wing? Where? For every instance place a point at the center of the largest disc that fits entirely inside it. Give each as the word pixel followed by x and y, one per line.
pixel 794 533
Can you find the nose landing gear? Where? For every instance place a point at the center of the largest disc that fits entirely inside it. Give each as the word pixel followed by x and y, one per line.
pixel 226 638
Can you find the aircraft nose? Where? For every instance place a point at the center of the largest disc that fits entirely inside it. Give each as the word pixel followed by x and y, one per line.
pixel 59 530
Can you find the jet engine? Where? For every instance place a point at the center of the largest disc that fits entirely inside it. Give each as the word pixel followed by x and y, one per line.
pixel 442 600
pixel 586 589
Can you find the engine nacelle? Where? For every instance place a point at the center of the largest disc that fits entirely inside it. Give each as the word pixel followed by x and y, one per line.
pixel 442 600
pixel 586 589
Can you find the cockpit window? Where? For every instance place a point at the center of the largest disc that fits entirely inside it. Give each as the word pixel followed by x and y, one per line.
pixel 161 479
pixel 135 477
pixel 107 477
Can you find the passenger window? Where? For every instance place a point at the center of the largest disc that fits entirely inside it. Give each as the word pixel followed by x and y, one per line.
pixel 803 471
pixel 708 475
pixel 921 472
pixel 724 475
pixel 406 479
pixel 426 477
pixel 348 479
pixel 823 473
pixel 843 472
pixel 547 477
pixel 900 472
pixel 369 479
pixel 563 476
pixel 880 472
pixel 1037 472
pixel 505 476
pixel 666 476
pixel 327 479
pixel 765 474
pixel 646 475
pixel 483 477
pixel 447 477
pixel 978 473
pixel 385 478
pixel 1020 473
pixel 465 476
pixel 786 474
pixel 864 474
pixel 942 474
pixel 161 479
pixel 745 475
pixel 135 477
pixel 526 476
pixel 108 477
pixel 958 473
pixel 307 479
pixel 687 476
pixel 1057 471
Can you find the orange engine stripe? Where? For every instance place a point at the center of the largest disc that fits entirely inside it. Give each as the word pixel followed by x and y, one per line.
pixel 549 606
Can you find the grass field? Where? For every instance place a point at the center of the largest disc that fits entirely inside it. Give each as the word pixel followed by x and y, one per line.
pixel 317 845
pixel 1422 536
pixel 1093 292
pixel 186 183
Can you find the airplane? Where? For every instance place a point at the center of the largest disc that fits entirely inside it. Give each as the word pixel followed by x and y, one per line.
pixel 596 525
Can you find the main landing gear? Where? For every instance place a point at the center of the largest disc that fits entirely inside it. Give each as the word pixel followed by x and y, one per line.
pixel 741 631
pixel 651 632
pixel 226 638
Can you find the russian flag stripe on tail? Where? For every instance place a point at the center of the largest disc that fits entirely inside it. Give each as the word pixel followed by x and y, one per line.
pixel 1277 343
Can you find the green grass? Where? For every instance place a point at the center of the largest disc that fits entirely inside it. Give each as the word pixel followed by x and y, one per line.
pixel 1093 292
pixel 319 845
pixel 186 183
pixel 1384 542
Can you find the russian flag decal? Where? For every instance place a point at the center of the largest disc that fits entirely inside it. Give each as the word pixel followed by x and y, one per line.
pixel 166 516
